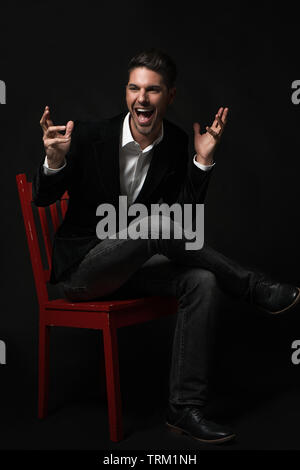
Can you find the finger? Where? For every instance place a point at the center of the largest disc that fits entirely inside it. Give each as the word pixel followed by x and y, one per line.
pixel 48 119
pixel 215 124
pixel 53 130
pixel 225 114
pixel 55 141
pixel 43 115
pixel 219 114
pixel 220 122
pixel 56 128
pixel 69 129
pixel 196 127
pixel 43 119
pixel 212 132
pixel 222 119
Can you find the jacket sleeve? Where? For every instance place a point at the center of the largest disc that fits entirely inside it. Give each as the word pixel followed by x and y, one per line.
pixel 194 185
pixel 46 189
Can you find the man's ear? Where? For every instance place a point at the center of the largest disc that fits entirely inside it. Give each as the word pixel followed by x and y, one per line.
pixel 172 94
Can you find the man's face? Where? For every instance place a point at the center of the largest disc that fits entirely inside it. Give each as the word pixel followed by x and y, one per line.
pixel 147 99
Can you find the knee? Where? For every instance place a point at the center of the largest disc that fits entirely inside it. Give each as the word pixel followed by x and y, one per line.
pixel 206 278
pixel 199 279
pixel 162 226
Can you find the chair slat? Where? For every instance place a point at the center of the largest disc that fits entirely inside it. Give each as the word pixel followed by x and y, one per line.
pixel 25 194
pixel 54 216
pixel 41 274
pixel 45 233
pixel 64 207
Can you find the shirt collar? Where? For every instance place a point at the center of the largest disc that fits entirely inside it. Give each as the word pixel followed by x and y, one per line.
pixel 127 136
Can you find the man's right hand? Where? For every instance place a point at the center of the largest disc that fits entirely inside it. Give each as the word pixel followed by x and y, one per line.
pixel 56 144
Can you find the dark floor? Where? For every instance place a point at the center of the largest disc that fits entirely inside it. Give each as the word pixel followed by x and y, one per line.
pixel 255 389
pixel 261 422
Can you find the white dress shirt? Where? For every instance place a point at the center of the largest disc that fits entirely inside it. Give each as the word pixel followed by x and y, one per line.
pixel 134 162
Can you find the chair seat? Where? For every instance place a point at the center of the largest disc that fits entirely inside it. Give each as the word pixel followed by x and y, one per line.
pixel 104 305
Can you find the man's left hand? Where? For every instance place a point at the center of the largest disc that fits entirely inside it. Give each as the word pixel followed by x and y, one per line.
pixel 205 144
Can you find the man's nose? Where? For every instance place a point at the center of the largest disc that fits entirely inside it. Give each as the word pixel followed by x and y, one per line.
pixel 143 97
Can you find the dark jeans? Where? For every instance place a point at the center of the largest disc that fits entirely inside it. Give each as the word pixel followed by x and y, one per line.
pixel 148 267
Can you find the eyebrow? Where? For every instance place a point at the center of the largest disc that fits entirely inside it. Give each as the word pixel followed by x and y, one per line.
pixel 153 87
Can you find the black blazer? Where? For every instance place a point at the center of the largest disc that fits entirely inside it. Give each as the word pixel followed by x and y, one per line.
pixel 92 177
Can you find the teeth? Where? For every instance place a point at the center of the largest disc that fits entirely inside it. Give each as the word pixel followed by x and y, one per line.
pixel 141 110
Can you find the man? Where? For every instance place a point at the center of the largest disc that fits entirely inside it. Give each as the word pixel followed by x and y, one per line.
pixel 144 156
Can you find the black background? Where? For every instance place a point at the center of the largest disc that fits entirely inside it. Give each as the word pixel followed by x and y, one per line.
pixel 73 57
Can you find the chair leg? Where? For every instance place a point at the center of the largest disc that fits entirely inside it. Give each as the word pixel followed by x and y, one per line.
pixel 43 372
pixel 113 383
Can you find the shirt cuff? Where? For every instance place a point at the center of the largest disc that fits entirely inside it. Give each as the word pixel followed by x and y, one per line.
pixel 51 171
pixel 202 167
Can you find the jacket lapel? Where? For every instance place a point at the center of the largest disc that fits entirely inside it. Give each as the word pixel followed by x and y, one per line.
pixel 106 153
pixel 159 165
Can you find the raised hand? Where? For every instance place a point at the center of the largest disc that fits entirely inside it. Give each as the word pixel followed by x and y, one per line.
pixel 205 144
pixel 56 144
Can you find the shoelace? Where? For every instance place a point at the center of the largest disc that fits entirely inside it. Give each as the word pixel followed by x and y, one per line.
pixel 196 412
pixel 261 282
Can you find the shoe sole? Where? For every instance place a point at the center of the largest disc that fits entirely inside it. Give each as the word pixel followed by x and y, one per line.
pixel 288 307
pixel 177 430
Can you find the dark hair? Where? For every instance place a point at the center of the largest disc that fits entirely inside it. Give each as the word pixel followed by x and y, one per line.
pixel 157 60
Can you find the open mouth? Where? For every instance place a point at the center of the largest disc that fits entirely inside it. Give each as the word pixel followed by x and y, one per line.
pixel 144 115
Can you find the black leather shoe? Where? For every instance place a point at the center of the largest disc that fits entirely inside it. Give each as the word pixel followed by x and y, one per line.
pixel 189 419
pixel 275 297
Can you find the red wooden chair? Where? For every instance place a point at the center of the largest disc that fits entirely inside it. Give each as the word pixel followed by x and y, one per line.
pixel 102 315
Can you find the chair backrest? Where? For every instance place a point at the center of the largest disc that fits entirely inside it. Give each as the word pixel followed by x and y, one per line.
pixel 41 274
